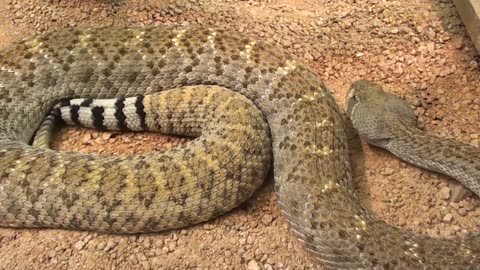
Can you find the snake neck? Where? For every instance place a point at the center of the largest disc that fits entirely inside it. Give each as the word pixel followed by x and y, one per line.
pixel 441 155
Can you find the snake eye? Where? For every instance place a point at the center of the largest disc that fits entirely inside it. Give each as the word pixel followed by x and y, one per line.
pixel 356 97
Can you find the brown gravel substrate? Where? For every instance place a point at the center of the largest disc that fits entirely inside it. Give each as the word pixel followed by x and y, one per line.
pixel 417 50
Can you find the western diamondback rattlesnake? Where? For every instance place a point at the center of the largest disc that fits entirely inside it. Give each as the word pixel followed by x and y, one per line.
pixel 44 188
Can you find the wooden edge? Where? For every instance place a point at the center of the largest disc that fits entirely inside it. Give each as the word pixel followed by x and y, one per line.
pixel 469 11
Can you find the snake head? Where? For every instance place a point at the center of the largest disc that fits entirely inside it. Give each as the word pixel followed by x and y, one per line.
pixel 374 112
pixel 364 92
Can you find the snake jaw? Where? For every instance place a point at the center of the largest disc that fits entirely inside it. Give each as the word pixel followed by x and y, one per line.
pixel 351 93
pixel 352 110
pixel 352 101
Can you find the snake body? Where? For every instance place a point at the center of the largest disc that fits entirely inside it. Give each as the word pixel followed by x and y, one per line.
pixel 44 188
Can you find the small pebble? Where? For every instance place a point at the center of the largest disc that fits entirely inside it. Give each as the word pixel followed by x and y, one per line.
pixel 101 245
pixel 106 135
pixel 146 265
pixel 86 138
pixel 253 265
pixel 79 245
pixel 462 212
pixel 267 219
pixel 133 259
pixel 445 193
pixel 447 218
pixel 267 266
pixel 111 244
pixel 388 171
pixel 51 253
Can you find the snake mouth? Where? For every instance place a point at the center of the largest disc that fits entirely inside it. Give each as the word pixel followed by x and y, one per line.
pixel 351 93
pixel 351 102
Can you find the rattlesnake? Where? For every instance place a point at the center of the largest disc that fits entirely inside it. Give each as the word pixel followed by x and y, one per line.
pixel 44 188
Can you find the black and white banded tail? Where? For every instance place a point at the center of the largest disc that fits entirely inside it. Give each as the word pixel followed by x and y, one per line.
pixel 125 114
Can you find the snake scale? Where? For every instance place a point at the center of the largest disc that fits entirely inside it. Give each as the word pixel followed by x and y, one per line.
pixel 44 188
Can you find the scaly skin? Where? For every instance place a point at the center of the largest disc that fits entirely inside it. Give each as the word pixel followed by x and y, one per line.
pixel 232 151
pixel 312 173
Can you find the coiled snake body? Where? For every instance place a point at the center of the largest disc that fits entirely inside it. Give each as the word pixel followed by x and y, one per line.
pixel 44 188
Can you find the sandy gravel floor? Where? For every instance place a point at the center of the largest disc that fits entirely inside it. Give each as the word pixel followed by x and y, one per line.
pixel 419 51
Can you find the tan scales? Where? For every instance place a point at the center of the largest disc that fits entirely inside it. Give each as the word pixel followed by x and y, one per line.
pixel 312 173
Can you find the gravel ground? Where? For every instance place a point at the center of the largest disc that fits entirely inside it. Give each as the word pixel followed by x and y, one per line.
pixel 419 51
